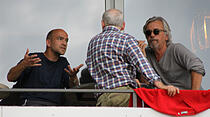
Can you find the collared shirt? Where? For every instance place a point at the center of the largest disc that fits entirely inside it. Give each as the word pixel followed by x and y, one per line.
pixel 113 58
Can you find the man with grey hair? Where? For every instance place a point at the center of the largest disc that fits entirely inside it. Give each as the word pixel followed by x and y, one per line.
pixel 113 58
pixel 175 64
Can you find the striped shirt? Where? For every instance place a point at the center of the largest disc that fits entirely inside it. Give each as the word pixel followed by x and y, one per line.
pixel 113 58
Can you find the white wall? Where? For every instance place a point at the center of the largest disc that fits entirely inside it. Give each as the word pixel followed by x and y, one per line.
pixel 84 112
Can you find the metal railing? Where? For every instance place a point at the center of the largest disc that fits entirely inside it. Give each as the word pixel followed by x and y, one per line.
pixel 13 90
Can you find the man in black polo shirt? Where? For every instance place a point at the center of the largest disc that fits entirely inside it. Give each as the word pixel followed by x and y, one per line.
pixel 45 70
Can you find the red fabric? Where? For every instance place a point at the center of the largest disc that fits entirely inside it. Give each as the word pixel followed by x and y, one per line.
pixel 139 103
pixel 187 102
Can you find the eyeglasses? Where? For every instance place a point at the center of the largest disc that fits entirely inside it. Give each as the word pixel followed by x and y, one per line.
pixel 155 31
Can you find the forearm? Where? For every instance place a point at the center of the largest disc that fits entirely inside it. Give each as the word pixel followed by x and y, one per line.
pixel 73 81
pixel 160 85
pixel 15 72
pixel 196 80
pixel 170 89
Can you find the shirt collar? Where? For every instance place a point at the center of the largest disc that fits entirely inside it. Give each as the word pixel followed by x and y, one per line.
pixel 111 28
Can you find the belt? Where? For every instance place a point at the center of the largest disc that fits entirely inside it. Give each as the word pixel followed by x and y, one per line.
pixel 38 103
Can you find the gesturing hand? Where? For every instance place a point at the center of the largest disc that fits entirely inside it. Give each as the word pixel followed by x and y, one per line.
pixel 73 72
pixel 31 61
pixel 142 46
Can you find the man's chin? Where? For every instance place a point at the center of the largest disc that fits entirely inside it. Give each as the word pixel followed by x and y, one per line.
pixel 153 46
pixel 60 53
pixel 63 53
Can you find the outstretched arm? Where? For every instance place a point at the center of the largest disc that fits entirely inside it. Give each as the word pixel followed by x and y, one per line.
pixel 28 61
pixel 73 80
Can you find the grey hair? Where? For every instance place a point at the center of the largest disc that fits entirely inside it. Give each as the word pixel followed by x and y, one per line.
pixel 113 17
pixel 165 26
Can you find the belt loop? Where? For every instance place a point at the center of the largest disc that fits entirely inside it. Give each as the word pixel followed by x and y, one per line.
pixel 25 101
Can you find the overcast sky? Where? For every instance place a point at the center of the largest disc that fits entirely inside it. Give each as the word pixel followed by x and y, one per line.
pixel 181 15
pixel 25 23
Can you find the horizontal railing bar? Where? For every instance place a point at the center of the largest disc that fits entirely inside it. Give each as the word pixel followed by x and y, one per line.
pixel 67 90
pixel 18 90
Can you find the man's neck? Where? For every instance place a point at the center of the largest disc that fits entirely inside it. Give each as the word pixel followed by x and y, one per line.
pixel 120 28
pixel 51 56
pixel 159 53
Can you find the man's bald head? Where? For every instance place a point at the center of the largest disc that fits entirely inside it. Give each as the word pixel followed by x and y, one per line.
pixel 53 32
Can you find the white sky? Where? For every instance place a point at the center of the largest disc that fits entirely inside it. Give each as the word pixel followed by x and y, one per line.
pixel 25 23
pixel 180 15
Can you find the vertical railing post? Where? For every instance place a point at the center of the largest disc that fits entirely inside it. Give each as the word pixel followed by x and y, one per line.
pixel 134 99
pixel 114 4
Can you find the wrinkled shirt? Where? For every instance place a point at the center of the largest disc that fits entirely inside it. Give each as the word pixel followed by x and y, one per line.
pixel 113 58
pixel 176 65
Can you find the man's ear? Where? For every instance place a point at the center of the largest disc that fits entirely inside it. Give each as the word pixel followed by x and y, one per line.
pixel 123 27
pixel 48 42
pixel 102 24
pixel 167 37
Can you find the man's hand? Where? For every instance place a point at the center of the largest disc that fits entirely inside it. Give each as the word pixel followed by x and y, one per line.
pixel 138 83
pixel 142 46
pixel 172 90
pixel 73 72
pixel 30 61
pixel 73 81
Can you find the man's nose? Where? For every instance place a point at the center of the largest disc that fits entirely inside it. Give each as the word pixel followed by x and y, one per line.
pixel 152 34
pixel 64 42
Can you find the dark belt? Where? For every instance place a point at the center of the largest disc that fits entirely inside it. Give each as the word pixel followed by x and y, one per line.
pixel 38 103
